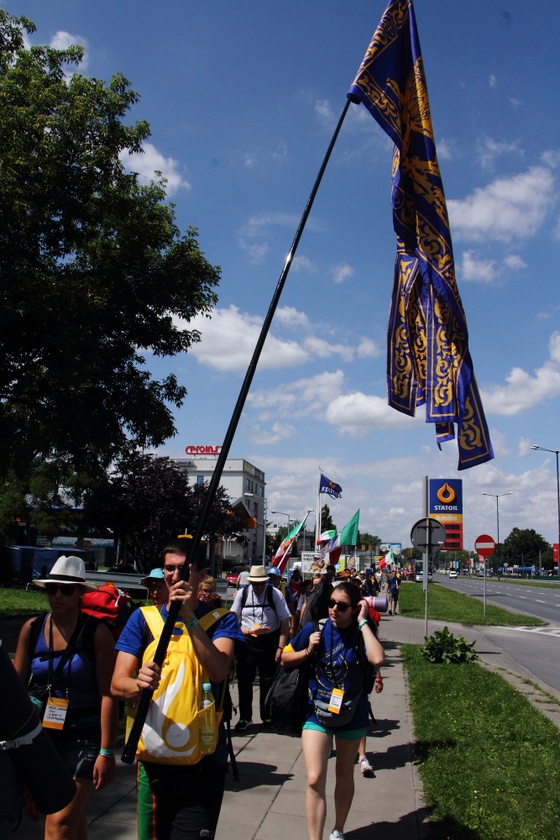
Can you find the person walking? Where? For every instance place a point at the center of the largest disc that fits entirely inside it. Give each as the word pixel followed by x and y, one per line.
pixel 393 587
pixel 177 797
pixel 264 619
pixel 71 655
pixel 341 652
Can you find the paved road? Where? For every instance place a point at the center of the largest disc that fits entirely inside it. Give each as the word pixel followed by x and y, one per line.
pixel 539 601
pixel 536 649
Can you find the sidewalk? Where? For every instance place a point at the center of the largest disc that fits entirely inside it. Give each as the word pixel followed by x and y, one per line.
pixel 267 803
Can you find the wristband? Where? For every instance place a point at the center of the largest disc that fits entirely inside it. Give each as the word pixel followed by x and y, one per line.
pixel 192 624
pixel 361 623
pixel 106 753
pixel 308 652
pixel 379 679
pixel 280 648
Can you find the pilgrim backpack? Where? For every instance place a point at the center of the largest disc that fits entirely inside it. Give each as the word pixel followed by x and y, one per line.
pixel 171 731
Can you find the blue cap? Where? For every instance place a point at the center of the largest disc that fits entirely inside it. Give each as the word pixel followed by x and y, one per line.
pixel 155 574
pixel 274 570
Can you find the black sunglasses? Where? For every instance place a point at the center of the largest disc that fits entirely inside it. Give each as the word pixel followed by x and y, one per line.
pixel 341 606
pixel 66 589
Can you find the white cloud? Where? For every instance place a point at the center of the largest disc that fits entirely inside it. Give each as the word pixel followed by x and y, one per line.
pixel 508 208
pixel 475 269
pixel 278 433
pixel 324 111
pixel 301 398
pixel 368 349
pixel 149 162
pixel 490 149
pixel 523 391
pixel 342 272
pixel 253 236
pixel 357 413
pixel 230 336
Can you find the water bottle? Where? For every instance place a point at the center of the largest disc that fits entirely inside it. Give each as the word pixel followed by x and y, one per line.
pixel 206 717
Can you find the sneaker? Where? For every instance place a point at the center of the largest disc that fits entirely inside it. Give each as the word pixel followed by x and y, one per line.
pixel 336 835
pixel 242 725
pixel 267 724
pixel 366 768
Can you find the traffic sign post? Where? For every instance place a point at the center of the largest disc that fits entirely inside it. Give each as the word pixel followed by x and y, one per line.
pixel 428 535
pixel 484 546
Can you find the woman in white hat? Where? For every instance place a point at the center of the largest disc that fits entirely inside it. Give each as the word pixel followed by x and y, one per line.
pixel 71 656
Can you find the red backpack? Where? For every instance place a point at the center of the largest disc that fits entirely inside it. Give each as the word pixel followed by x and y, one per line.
pixel 109 603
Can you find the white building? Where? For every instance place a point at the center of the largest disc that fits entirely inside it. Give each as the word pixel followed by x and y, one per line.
pixel 245 485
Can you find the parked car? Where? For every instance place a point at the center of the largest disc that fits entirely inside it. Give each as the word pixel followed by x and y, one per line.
pixel 452 573
pixel 234 573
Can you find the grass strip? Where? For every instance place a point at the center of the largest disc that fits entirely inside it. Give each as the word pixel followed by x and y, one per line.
pixel 488 760
pixel 22 601
pixel 446 604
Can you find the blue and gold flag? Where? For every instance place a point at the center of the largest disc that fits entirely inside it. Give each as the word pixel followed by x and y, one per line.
pixel 428 358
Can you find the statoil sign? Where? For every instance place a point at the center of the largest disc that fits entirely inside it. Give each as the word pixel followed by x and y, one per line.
pixel 446 505
pixel 203 450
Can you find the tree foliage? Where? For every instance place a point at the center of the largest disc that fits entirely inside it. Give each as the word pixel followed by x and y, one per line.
pixel 525 547
pixel 94 271
pixel 149 502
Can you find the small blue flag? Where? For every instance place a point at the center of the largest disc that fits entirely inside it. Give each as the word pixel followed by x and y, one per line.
pixel 330 487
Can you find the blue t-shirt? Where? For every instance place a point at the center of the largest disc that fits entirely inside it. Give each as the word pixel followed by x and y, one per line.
pixel 136 636
pixel 337 666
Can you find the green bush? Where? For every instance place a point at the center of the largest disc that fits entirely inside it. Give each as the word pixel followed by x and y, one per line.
pixel 443 648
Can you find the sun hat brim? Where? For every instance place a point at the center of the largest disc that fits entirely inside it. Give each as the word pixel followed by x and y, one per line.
pixel 40 584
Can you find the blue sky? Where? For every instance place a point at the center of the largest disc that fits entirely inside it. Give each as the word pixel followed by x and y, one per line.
pixel 242 99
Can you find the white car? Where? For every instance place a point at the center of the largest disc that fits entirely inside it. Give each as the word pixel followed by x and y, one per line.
pixel 452 573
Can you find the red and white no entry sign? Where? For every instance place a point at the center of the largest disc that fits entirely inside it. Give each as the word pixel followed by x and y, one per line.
pixel 484 545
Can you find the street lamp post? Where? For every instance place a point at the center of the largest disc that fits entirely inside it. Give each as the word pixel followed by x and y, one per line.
pixel 554 452
pixel 281 512
pixel 497 497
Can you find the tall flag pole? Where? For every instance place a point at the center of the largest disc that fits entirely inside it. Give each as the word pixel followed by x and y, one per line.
pixel 129 751
pixel 428 359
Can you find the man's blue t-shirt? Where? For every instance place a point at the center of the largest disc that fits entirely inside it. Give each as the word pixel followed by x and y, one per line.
pixel 136 636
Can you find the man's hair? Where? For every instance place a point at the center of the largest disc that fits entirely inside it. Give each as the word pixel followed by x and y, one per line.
pixel 177 547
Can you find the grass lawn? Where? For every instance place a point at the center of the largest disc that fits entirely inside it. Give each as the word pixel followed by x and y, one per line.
pixel 489 761
pixel 21 602
pixel 446 604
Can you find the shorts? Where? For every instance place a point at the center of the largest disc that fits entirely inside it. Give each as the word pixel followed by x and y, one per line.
pixel 179 802
pixel 344 734
pixel 78 746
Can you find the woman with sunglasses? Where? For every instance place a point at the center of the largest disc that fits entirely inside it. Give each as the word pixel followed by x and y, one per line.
pixel 72 656
pixel 338 704
pixel 207 593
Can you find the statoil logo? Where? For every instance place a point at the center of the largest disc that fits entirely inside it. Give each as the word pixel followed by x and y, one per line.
pixel 446 494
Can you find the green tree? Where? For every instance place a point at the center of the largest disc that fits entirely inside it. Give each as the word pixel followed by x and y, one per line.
pixel 326 520
pixel 94 271
pixel 148 502
pixel 370 541
pixel 524 547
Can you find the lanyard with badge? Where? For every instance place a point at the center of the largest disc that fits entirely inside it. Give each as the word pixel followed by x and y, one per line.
pixel 56 708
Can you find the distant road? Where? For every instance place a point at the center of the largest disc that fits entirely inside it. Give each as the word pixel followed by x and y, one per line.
pixel 540 601
pixel 536 649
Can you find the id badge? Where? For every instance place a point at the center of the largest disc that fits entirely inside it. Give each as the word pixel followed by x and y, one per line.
pixel 55 712
pixel 335 703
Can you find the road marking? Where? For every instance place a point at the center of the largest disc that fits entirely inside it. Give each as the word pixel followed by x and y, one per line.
pixel 539 602
pixel 543 631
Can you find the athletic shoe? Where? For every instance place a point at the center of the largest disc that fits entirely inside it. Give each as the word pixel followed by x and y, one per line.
pixel 267 724
pixel 336 835
pixel 242 725
pixel 366 768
